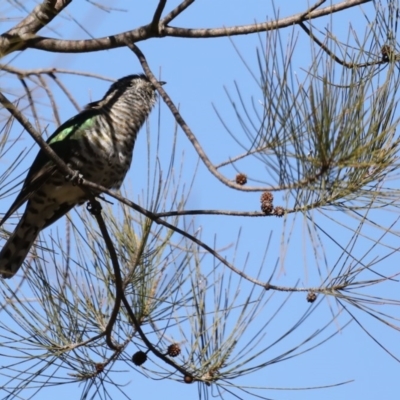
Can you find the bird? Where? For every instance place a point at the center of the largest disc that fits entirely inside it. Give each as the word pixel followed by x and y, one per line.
pixel 98 143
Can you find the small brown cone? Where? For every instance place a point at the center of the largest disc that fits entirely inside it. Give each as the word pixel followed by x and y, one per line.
pixel 267 207
pixel 241 179
pixel 188 379
pixel 279 211
pixel 174 350
pixel 267 196
pixel 311 297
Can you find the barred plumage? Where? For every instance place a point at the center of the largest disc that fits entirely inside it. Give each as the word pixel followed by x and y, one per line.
pixel 98 142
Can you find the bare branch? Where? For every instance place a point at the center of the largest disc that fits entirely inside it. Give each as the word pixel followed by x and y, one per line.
pixel 41 15
pixel 147 32
pixel 95 210
pixel 47 71
pixel 381 60
pixel 176 11
pixel 212 212
pixel 157 14
pixel 66 91
pixel 31 102
pixel 146 340
pixel 314 7
pixel 49 93
pixel 262 27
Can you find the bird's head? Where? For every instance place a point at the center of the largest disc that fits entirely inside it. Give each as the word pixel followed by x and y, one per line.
pixel 132 89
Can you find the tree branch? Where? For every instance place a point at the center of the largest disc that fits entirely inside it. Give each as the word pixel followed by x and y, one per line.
pixel 176 11
pixel 147 32
pixel 95 210
pixel 157 14
pixel 41 15
pixel 48 71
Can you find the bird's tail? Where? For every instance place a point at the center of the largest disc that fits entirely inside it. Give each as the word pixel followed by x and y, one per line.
pixel 17 247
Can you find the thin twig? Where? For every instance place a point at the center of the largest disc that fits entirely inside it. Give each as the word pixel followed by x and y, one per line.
pixel 46 71
pixel 313 7
pixel 31 102
pixel 176 11
pixel 335 57
pixel 51 98
pixel 157 14
pixel 147 342
pixel 66 91
pixel 95 210
pixel 212 212
pixel 241 156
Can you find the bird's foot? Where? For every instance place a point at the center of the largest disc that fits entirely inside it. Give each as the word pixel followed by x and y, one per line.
pixel 76 178
pixel 94 207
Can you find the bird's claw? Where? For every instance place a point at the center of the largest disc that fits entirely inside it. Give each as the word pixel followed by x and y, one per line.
pixel 76 178
pixel 94 207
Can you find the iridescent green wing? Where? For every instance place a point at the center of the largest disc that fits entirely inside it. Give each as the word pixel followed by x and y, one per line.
pixel 63 141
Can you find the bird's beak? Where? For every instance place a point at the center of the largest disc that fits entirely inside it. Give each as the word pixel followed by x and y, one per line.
pixel 160 83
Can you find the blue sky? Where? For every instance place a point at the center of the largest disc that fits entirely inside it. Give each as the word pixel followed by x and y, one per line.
pixel 198 74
